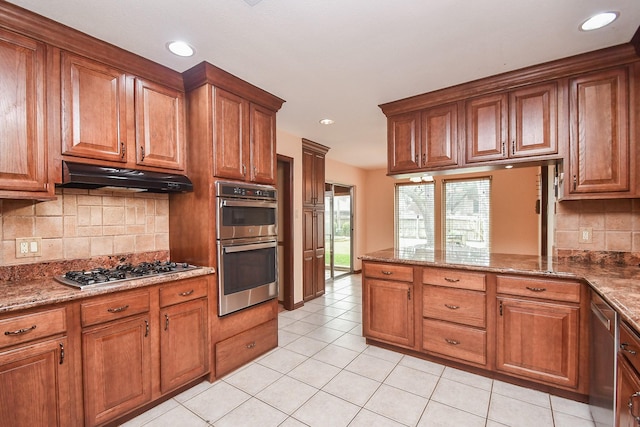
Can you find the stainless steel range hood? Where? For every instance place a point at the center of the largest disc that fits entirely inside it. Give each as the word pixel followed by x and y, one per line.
pixel 78 175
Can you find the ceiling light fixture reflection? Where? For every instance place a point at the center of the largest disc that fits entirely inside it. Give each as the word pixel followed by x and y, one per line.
pixel 326 122
pixel 180 48
pixel 598 21
pixel 508 166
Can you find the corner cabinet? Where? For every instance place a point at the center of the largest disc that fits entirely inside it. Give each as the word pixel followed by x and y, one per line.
pixel 602 160
pixel 313 219
pixel 111 116
pixel 23 143
pixel 388 303
pixel 628 379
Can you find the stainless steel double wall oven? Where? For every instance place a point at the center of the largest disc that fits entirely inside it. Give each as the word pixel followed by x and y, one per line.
pixel 247 245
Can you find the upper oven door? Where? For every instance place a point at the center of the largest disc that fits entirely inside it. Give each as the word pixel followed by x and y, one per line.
pixel 241 218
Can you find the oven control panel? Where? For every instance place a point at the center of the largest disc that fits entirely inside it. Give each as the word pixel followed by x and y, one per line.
pixel 232 189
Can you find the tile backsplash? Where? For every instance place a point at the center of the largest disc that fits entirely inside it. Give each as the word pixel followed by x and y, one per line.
pixel 615 225
pixel 86 223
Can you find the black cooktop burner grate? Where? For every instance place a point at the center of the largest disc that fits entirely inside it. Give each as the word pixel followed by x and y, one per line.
pixel 97 276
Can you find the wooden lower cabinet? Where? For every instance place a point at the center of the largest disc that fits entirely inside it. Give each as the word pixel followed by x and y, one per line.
pixel 35 381
pixel 183 343
pixel 538 340
pixel 456 341
pixel 388 313
pixel 117 361
pixel 246 346
pixel 627 395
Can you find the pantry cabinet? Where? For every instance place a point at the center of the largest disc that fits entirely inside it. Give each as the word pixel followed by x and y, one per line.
pixel 388 300
pixel 313 219
pixel 24 160
pixel 111 116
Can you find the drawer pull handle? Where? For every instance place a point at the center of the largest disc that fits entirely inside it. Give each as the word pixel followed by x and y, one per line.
pixel 623 347
pixel 536 289
pixel 166 322
pixel 452 307
pixel 20 331
pixel 186 294
pixel 61 353
pixel 452 342
pixel 118 309
pixel 632 410
pixel 451 280
pixel 251 345
pixel 387 273
pixel 146 328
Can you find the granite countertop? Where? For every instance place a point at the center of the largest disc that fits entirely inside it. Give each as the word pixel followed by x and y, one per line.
pixel 618 284
pixel 22 294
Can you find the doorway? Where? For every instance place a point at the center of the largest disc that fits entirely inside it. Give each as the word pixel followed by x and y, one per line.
pixel 338 205
pixel 285 231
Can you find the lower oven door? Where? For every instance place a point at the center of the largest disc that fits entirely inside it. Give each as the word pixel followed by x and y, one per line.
pixel 247 274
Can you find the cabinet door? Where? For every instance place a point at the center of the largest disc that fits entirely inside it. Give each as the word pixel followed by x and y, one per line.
pixel 308 254
pixel 319 252
pixel 229 138
pixel 538 340
pixel 118 357
pixel 159 126
pixel 312 178
pixel 440 136
pixel 94 104
pixel 628 385
pixel 263 145
pixel 533 121
pixel 486 133
pixel 599 133
pixel 183 344
pixel 388 311
pixel 35 383
pixel 23 163
pixel 403 149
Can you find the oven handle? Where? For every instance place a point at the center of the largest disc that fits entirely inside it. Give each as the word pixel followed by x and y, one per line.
pixel 248 203
pixel 249 247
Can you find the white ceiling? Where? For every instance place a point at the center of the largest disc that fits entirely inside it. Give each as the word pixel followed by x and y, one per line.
pixel 341 58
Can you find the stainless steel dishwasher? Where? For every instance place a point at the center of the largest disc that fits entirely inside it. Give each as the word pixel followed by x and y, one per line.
pixel 603 348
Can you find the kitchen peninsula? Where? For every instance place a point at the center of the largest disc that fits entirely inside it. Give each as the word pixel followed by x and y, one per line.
pixel 523 319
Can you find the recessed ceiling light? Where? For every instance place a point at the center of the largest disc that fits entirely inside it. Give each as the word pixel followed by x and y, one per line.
pixel 326 122
pixel 598 21
pixel 180 48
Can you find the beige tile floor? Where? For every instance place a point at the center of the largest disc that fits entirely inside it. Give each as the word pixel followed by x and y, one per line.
pixel 324 374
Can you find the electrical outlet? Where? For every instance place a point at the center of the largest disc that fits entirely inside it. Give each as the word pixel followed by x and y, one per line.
pixel 28 247
pixel 586 235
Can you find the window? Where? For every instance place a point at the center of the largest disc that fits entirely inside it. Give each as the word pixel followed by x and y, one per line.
pixel 457 222
pixel 466 219
pixel 415 215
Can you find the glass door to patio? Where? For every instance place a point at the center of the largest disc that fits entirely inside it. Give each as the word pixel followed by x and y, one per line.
pixel 338 202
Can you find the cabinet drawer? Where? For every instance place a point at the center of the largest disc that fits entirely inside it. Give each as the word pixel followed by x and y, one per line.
pixel 29 327
pixel 630 346
pixel 454 305
pixel 184 290
pixel 454 278
pixel 539 288
pixel 114 307
pixel 246 346
pixel 461 342
pixel 403 273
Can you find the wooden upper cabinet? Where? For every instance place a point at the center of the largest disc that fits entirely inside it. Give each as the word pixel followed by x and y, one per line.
pixel 94 110
pixel 533 121
pixel 602 157
pixel 262 141
pixel 403 142
pixel 23 163
pixel 245 139
pixel 313 174
pixel 229 138
pixel 486 128
pixel 160 126
pixel 439 136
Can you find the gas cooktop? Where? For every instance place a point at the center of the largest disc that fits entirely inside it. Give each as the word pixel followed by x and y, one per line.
pixel 100 276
